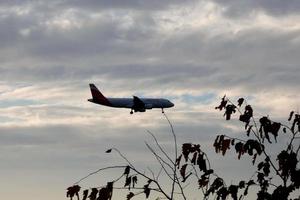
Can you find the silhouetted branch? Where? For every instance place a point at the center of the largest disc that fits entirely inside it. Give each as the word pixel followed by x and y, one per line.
pixel 176 154
pixel 97 171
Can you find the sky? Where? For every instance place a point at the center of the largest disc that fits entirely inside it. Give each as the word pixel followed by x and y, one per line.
pixel 191 52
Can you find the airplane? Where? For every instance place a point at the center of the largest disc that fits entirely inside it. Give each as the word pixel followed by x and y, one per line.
pixel 136 104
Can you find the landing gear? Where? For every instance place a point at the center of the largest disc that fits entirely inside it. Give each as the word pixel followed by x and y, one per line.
pixel 162 110
pixel 131 112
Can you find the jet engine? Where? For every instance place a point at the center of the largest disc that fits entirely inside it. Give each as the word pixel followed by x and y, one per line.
pixel 148 106
pixel 140 110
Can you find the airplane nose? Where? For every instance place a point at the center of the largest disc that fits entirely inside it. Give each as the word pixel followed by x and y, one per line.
pixel 171 104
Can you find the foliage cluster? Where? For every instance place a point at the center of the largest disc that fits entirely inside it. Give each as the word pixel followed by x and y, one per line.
pixel 193 162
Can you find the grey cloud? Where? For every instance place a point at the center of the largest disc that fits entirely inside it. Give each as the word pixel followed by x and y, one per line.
pixel 237 8
pixel 182 59
pixel 98 5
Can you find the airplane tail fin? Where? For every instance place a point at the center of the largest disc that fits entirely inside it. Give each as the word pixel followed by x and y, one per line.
pixel 98 97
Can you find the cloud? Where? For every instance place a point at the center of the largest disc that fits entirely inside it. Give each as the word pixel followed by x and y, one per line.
pixel 236 8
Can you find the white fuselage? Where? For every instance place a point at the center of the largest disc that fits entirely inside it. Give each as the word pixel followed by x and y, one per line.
pixel 128 103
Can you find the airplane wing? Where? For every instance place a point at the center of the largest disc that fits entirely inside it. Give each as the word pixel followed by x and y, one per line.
pixel 138 104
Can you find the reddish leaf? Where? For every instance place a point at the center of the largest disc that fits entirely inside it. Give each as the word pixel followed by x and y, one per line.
pixel 225 146
pixel 203 182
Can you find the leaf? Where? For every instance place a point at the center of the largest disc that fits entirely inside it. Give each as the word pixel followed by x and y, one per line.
pixel 287 162
pixel 182 170
pixel 93 195
pixel 218 182
pixel 178 161
pixel 85 194
pixel 222 193
pixel 249 130
pixel 128 182
pixel 284 130
pixel 291 115
pixel 225 146
pixel 229 110
pixel 217 143
pixel 201 162
pixel 266 127
pixel 254 159
pixel 208 172
pixel 242 184
pixel 266 169
pixel 295 178
pixel 108 150
pixel 296 122
pixel 186 149
pixel 251 145
pixel 274 129
pixel 147 190
pixel 240 101
pixel 260 166
pixel 134 181
pixel 248 113
pixel 104 194
pixel 233 190
pixel 203 182
pixel 239 148
pixel 193 161
pixel 127 171
pixel 130 195
pixel 222 104
pixel 72 191
pixel 232 142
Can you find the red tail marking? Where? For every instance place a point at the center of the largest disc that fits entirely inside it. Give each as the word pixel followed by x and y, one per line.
pixel 98 96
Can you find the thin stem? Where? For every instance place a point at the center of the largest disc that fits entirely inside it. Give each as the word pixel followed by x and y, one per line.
pixel 175 144
pixel 97 171
pixel 142 174
pixel 160 147
pixel 161 161
pixel 117 150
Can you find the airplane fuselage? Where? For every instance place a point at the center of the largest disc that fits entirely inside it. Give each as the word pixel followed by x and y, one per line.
pixel 129 103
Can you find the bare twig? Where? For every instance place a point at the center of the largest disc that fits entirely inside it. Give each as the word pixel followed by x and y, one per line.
pixel 97 171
